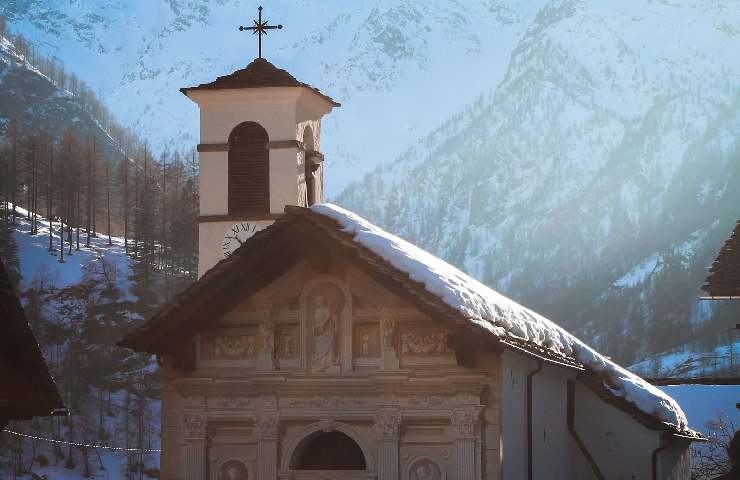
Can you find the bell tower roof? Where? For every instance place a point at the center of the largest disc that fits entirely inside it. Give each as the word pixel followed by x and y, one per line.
pixel 258 74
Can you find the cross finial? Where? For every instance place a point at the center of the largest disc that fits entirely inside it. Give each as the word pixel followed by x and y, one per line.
pixel 260 28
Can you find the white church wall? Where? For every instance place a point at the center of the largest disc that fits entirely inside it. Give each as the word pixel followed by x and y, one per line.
pixel 550 436
pixel 618 443
pixel 214 174
pixel 491 417
pixel 514 370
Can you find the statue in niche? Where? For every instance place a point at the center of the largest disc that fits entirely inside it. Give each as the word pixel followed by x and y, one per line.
pixel 387 328
pixel 365 347
pixel 325 327
pixel 325 312
pixel 286 340
pixel 267 337
pixel 233 470
pixel 425 469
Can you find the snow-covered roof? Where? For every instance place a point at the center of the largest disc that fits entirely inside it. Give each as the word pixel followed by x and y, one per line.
pixel 501 316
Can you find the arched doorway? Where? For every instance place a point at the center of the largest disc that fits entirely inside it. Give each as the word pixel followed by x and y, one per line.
pixel 249 170
pixel 328 451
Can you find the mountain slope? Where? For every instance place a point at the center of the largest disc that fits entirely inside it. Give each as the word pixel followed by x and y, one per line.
pixel 39 105
pixel 592 156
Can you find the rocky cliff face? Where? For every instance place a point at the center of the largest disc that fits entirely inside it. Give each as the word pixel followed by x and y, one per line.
pixel 595 183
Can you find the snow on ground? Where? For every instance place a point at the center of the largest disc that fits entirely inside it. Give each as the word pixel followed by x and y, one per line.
pixel 724 359
pixel 499 315
pixel 33 251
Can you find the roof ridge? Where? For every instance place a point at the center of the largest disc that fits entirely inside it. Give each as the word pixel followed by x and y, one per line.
pixel 259 73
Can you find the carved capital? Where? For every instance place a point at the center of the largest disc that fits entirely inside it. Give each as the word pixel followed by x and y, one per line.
pixel 387 424
pixel 194 423
pixel 267 425
pixel 465 422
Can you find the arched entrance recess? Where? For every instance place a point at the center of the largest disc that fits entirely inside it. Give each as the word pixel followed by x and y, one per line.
pixel 325 448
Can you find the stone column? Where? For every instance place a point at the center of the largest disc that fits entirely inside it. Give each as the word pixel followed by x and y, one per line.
pixel 387 425
pixel 194 426
pixel 465 423
pixel 267 429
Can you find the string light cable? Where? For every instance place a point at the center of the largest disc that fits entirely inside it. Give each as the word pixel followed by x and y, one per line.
pixel 83 445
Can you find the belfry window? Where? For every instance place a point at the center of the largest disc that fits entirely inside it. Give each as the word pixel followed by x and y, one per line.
pixel 249 170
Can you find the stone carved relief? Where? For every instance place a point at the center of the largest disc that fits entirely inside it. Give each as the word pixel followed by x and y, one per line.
pixel 327 402
pixel 232 402
pixel 425 469
pixel 366 340
pixel 325 306
pixel 194 423
pixel 387 424
pixel 234 346
pixel 426 401
pixel 267 425
pixel 434 343
pixel 465 422
pixel 233 470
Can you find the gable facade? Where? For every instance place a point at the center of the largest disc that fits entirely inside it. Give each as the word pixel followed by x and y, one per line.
pixel 323 349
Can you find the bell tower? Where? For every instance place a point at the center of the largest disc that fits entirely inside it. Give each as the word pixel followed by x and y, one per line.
pixel 260 131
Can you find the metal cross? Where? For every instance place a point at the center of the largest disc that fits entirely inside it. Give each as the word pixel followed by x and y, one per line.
pixel 260 28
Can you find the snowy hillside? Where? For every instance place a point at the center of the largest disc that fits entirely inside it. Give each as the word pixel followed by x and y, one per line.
pixel 78 309
pixel 595 182
pixel 372 56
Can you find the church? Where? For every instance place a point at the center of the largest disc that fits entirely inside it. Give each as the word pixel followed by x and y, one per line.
pixel 315 345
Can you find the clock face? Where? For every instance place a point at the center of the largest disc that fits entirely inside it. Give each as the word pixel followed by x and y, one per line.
pixel 237 234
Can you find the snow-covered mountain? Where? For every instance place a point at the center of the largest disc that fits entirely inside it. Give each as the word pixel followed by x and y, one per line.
pixel 597 181
pixel 383 59
pixel 577 155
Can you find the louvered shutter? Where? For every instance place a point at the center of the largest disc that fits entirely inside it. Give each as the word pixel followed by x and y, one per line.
pixel 249 170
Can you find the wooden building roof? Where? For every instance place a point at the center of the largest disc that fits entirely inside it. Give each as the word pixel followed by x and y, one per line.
pixel 26 386
pixel 304 234
pixel 724 274
pixel 260 73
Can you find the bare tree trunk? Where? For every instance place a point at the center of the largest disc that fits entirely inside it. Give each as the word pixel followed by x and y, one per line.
pixel 13 164
pixel 50 195
pixel 107 193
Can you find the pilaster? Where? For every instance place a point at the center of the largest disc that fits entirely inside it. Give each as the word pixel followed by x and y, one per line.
pixel 387 426
pixel 267 429
pixel 194 427
pixel 466 424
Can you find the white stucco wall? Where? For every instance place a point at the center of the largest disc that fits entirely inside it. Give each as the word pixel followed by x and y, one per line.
pixel 619 444
pixel 283 112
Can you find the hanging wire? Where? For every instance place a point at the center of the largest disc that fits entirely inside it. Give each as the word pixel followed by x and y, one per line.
pixel 83 445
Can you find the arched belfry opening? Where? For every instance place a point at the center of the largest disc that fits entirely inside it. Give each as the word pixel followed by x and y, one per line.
pixel 249 170
pixel 310 167
pixel 328 451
